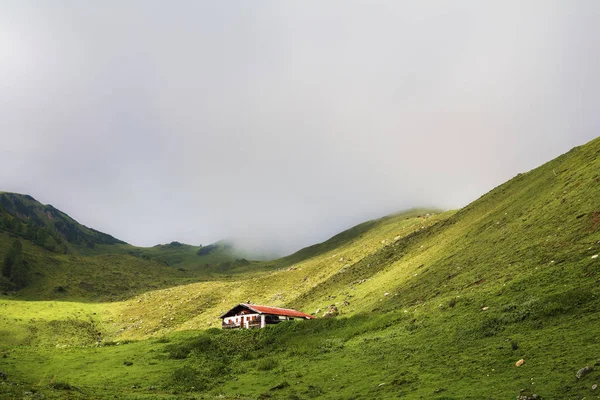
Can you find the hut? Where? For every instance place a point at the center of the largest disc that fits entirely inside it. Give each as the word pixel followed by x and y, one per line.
pixel 251 316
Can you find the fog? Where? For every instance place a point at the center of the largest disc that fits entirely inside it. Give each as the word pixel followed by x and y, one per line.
pixel 280 124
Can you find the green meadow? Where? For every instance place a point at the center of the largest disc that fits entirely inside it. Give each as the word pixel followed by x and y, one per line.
pixel 433 305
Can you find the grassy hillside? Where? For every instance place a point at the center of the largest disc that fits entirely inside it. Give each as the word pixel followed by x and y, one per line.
pixel 45 254
pixel 46 226
pixel 436 306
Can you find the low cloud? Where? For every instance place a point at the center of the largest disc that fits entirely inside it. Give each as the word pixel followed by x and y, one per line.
pixel 282 123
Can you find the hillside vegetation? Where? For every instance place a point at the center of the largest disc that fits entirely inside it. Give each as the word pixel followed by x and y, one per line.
pixel 47 255
pixel 431 305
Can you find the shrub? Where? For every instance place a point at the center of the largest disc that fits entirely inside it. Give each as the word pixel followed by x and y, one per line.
pixel 188 378
pixel 266 364
pixel 491 326
pixel 219 369
pixel 61 386
pixel 282 385
pixel 201 344
pixel 314 391
pixel 178 353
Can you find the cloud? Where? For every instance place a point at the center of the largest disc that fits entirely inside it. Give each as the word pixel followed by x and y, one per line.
pixel 285 122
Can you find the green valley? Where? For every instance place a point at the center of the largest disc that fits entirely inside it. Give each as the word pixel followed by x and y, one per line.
pixel 432 304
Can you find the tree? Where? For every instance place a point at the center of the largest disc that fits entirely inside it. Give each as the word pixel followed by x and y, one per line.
pixel 13 256
pixel 42 236
pixel 14 267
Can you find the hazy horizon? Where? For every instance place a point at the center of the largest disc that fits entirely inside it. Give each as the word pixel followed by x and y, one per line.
pixel 280 124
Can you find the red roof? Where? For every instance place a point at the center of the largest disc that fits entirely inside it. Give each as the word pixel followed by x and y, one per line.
pixel 273 311
pixel 277 311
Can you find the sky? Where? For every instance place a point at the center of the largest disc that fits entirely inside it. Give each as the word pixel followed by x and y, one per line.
pixel 281 123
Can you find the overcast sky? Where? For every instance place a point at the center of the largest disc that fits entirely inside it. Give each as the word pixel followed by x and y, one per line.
pixel 285 122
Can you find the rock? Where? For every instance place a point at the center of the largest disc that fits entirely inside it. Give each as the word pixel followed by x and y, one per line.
pixel 528 396
pixel 520 362
pixel 485 308
pixel 386 294
pixel 128 363
pixel 594 386
pixel 594 256
pixel 332 312
pixel 583 372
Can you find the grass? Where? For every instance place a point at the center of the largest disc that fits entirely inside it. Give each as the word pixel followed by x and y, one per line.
pixel 436 306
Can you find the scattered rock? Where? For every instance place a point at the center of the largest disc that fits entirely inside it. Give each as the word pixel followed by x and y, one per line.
pixel 386 294
pixel 485 308
pixel 332 312
pixel 520 362
pixel 527 395
pixel 583 372
pixel 594 386
pixel 595 256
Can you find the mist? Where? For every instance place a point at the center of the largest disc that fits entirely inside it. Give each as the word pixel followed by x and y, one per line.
pixel 279 124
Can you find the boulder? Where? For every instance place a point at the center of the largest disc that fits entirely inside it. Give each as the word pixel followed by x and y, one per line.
pixel 583 372
pixel 520 362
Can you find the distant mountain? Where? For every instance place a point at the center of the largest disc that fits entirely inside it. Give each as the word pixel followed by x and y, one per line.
pixel 52 229
pixel 44 253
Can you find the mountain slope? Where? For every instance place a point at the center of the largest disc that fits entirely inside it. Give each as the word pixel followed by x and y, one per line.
pixel 439 306
pixel 58 258
pixel 48 227
pixel 537 227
